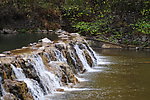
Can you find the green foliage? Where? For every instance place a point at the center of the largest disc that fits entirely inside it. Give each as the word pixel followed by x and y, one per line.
pixel 143 26
pixel 87 27
pixel 94 27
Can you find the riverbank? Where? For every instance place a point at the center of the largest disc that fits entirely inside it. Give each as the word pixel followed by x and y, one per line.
pixel 96 43
pixel 109 23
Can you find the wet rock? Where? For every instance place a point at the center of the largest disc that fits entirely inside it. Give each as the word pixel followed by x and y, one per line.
pixel 60 90
pixel 17 88
pixel 46 40
pixel 8 31
pixel 44 31
pixel 1 32
pixel 7 52
pixel 50 30
pixel 60 45
pixel 59 31
pixel 66 74
pixel 89 59
pixel 63 36
pixel 9 96
pixel 81 46
pixel 74 34
pixel 2 55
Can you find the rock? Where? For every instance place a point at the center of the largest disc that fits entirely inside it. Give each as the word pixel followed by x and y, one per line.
pixel 44 31
pixel 25 47
pixel 81 46
pixel 50 30
pixel 1 32
pixel 17 88
pixel 74 34
pixel 41 48
pixel 9 96
pixel 63 36
pixel 2 55
pixel 39 31
pixel 60 90
pixel 7 52
pixel 60 45
pixel 144 38
pixel 59 31
pixel 8 31
pixel 46 40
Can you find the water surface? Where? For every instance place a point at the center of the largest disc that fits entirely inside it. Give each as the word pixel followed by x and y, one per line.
pixel 123 75
pixel 14 41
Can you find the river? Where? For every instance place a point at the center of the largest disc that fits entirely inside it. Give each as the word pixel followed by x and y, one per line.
pixel 120 75
pixel 15 41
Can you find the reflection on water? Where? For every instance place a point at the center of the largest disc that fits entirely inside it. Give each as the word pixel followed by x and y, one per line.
pixel 124 76
pixel 10 42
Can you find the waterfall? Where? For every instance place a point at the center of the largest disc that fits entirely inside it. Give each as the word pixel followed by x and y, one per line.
pixel 3 92
pixel 82 58
pixel 49 69
pixel 91 53
pixel 33 85
pixel 59 56
pixel 48 80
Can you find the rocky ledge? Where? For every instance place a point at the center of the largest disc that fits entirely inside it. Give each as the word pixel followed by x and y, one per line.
pixel 44 67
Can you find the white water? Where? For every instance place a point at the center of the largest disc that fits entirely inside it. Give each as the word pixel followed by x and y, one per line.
pixel 82 58
pixel 50 81
pixel 92 51
pixel 92 55
pixel 59 56
pixel 33 85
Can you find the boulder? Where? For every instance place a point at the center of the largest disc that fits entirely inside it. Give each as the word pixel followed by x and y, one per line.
pixel 2 55
pixel 8 31
pixel 17 88
pixel 74 34
pixel 46 40
pixel 60 45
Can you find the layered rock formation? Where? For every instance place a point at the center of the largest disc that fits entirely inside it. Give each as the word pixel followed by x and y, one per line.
pixel 44 67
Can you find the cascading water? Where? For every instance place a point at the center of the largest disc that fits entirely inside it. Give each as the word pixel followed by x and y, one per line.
pixel 33 85
pixel 49 80
pixel 82 58
pixel 91 53
pixel 3 92
pixel 59 56
pixel 52 68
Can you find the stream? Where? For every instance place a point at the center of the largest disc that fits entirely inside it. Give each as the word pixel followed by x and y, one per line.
pixel 120 75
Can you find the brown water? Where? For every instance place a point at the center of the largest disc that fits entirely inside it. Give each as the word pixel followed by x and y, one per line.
pixel 123 75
